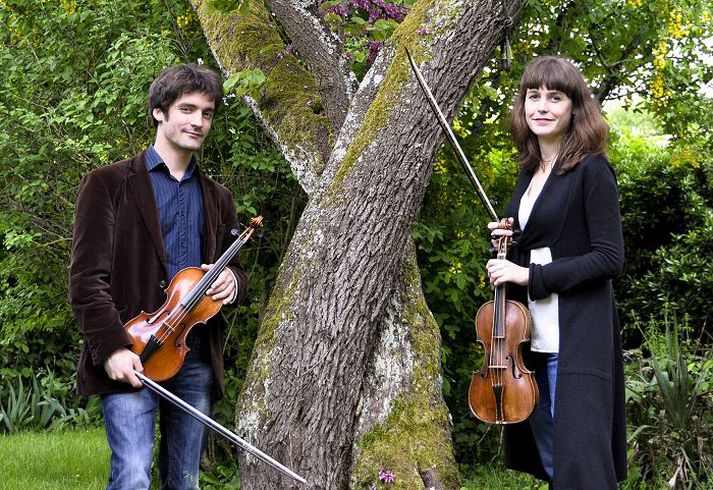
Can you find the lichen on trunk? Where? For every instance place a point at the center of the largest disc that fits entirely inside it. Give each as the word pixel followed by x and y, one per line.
pixel 289 105
pixel 404 423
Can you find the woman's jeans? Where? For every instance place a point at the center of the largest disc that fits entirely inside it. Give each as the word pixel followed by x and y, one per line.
pixel 130 422
pixel 542 419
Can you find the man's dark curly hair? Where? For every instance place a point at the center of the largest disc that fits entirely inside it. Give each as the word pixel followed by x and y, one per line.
pixel 176 81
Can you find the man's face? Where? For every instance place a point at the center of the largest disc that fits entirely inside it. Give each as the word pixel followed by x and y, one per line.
pixel 187 122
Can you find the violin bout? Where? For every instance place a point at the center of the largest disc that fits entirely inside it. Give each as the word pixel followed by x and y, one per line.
pixel 503 391
pixel 159 338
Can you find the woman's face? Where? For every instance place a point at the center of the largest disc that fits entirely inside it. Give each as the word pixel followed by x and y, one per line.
pixel 548 113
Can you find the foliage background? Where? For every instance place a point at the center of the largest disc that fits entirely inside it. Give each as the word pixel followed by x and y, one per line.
pixel 72 97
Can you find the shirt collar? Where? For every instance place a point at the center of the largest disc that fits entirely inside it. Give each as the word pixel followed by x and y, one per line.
pixel 153 161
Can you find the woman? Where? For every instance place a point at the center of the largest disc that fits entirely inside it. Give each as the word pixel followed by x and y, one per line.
pixel 568 249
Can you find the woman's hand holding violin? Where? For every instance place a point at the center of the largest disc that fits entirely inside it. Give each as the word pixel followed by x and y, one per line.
pixel 502 271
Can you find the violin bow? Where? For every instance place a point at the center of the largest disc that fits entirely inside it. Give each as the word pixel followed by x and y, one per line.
pixel 209 422
pixel 452 139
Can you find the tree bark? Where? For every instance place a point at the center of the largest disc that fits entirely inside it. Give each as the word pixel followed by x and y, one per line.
pixel 345 374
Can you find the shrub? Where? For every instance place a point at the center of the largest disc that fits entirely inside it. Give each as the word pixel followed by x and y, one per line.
pixel 667 220
pixel 43 402
pixel 669 402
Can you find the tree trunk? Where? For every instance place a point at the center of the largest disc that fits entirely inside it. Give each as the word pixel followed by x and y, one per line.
pixel 345 375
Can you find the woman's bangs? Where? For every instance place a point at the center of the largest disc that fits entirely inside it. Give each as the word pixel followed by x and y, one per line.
pixel 549 73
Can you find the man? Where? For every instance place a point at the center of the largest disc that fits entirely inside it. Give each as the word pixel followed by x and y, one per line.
pixel 137 223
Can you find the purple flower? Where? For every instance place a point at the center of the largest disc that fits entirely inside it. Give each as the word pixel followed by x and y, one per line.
pixel 374 47
pixel 374 9
pixel 386 476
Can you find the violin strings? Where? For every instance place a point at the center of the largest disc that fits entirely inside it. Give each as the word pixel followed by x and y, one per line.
pixel 498 329
pixel 165 333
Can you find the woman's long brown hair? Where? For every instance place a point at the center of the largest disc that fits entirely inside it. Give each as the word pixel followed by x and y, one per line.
pixel 587 131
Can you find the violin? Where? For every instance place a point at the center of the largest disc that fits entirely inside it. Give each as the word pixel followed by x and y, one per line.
pixel 503 391
pixel 159 338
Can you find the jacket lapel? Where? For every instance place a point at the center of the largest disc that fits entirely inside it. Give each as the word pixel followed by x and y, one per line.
pixel 140 187
pixel 210 218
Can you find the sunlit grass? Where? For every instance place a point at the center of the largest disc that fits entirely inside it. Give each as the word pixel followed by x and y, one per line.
pixel 498 478
pixel 66 460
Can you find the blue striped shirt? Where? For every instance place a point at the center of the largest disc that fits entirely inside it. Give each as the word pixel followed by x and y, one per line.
pixel 180 211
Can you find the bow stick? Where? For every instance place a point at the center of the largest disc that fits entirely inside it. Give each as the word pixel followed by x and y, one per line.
pixel 452 138
pixel 209 422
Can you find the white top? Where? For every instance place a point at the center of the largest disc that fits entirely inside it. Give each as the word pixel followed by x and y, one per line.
pixel 544 312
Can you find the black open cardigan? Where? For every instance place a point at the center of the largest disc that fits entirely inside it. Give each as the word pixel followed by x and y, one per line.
pixel 577 217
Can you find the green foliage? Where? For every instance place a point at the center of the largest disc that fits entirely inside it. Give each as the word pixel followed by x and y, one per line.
pixel 453 247
pixel 245 82
pixel 221 476
pixel 363 27
pixel 37 405
pixel 72 98
pixel 668 230
pixel 669 402
pixel 496 477
pixel 666 191
pixel 27 408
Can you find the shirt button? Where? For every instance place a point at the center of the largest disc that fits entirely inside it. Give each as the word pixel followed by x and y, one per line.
pixel 162 284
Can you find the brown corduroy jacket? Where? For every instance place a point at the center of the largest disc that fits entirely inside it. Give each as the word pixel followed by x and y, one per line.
pixel 118 267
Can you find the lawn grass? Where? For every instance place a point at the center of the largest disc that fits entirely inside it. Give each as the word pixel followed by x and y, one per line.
pixel 79 460
pixel 67 460
pixel 496 477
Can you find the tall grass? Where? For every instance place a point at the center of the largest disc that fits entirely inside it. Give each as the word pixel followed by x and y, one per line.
pixel 66 460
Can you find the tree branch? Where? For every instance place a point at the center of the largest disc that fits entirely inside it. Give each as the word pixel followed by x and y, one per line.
pixel 290 104
pixel 324 53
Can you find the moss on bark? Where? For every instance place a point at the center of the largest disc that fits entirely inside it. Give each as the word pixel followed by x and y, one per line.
pixel 289 101
pixel 415 436
pixel 410 34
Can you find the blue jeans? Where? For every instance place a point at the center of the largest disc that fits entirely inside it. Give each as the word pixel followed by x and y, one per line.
pixel 542 419
pixel 130 421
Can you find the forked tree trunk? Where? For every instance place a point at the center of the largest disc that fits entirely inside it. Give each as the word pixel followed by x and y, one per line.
pixel 345 375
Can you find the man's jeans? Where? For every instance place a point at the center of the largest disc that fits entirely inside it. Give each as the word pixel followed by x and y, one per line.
pixel 130 422
pixel 542 419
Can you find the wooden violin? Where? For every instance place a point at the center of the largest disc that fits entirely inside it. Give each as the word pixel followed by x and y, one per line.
pixel 503 391
pixel 159 338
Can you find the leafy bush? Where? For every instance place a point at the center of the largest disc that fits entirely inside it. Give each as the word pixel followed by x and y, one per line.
pixel 668 232
pixel 27 408
pixel 43 402
pixel 72 97
pixel 453 247
pixel 670 401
